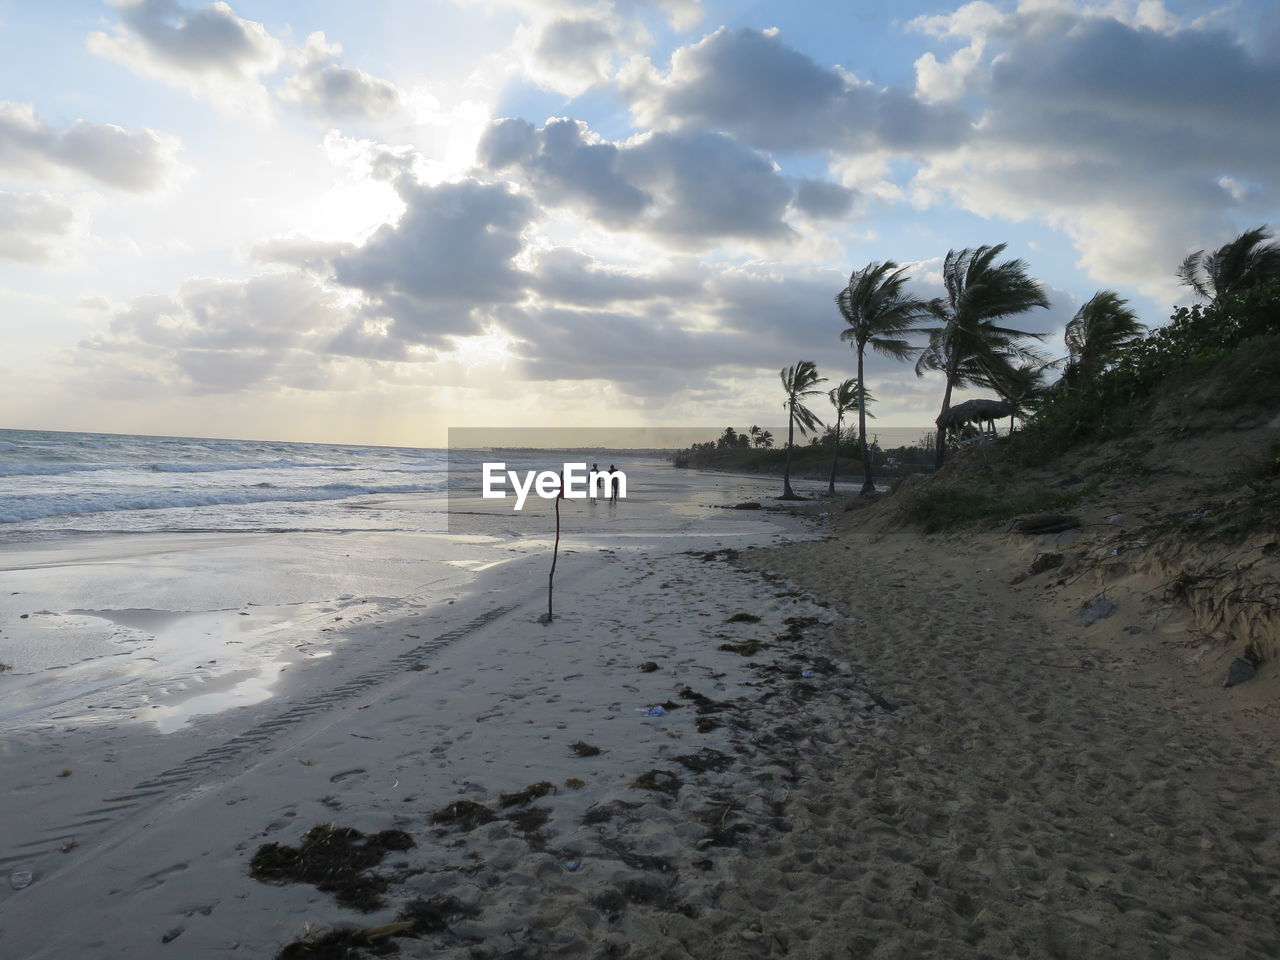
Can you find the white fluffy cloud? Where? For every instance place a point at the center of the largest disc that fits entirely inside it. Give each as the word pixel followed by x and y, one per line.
pixel 322 84
pixel 209 51
pixel 692 190
pixel 29 146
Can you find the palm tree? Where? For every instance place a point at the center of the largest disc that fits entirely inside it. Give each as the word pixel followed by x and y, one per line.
pixel 844 398
pixel 879 314
pixel 1102 328
pixel 754 434
pixel 970 346
pixel 1018 383
pixel 1245 262
pixel 765 439
pixel 799 381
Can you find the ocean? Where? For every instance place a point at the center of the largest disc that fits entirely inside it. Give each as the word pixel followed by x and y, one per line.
pixel 63 484
pixel 162 579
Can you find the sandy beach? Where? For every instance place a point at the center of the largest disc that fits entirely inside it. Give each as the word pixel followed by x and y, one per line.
pixel 145 814
pixel 870 745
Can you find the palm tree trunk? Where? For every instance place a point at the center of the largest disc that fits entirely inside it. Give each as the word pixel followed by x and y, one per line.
pixel 787 493
pixel 835 456
pixel 868 481
pixel 940 451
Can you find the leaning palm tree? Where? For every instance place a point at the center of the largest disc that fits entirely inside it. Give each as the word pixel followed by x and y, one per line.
pixel 848 396
pixel 970 342
pixel 765 440
pixel 800 381
pixel 1245 262
pixel 1102 328
pixel 754 434
pixel 879 314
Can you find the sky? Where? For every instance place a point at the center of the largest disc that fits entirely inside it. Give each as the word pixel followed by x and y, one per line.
pixel 367 223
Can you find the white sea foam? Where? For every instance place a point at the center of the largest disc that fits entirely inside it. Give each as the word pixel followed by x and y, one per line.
pixel 14 509
pixel 155 483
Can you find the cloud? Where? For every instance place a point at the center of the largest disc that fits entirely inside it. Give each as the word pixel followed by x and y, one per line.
pixel 29 146
pixel 222 336
pixel 692 190
pixel 568 277
pixel 32 227
pixel 751 84
pixel 323 85
pixel 210 52
pixel 303 253
pixel 1138 136
pixel 823 200
pixel 572 54
pixel 450 253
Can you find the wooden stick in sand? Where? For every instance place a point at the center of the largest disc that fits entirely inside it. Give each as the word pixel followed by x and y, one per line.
pixel 555 554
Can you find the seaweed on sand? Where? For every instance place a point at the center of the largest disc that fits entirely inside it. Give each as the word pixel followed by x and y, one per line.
pixel 705 759
pixel 417 918
pixel 338 945
pixel 433 916
pixel 704 703
pixel 332 859
pixel 648 666
pixel 796 627
pixel 466 814
pixel 530 820
pixel 637 861
pixel 604 812
pixel 530 793
pixel 743 618
pixel 747 648
pixel 707 724
pixel 648 893
pixel 662 781
pixel 584 749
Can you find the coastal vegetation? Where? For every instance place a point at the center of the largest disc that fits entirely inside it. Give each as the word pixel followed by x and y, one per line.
pixel 1218 355
pixel 800 382
pixel 879 314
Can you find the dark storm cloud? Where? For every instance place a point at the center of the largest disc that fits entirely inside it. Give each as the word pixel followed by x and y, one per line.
pixel 107 153
pixel 751 84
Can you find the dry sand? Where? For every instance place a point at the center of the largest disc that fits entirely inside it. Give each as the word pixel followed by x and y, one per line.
pixel 966 773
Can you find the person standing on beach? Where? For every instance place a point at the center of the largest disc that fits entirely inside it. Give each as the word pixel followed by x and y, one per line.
pixel 613 487
pixel 595 468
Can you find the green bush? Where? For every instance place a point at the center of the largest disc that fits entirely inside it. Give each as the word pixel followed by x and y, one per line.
pixel 1242 334
pixel 954 501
